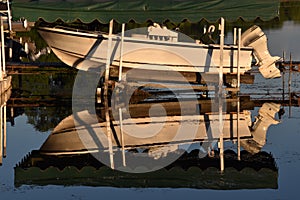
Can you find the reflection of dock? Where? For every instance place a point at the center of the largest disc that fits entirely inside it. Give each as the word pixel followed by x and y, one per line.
pixel 189 171
pixel 156 134
pixel 4 97
pixel 5 92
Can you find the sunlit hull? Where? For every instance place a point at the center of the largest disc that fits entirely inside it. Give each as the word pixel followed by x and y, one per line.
pixel 73 47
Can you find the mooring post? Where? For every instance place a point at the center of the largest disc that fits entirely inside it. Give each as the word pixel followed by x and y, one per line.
pixel 220 94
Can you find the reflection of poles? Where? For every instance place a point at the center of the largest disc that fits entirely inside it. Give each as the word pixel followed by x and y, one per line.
pixel 120 109
pixel 221 96
pixel 283 80
pixel 12 117
pixel 237 130
pixel 122 136
pixel 107 118
pixel 1 136
pixel 290 83
pixel 238 98
pixel 4 130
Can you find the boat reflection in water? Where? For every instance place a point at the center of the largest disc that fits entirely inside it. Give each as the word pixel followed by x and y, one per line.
pixel 87 153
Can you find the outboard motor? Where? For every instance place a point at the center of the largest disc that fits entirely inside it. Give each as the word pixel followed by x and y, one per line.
pixel 254 37
pixel 265 118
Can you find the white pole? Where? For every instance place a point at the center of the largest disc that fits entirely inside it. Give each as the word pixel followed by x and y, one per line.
pixel 107 117
pixel 222 25
pixel 2 44
pixel 2 47
pixel 121 52
pixel 221 56
pixel 109 44
pixel 238 59
pixel 9 16
pixel 234 36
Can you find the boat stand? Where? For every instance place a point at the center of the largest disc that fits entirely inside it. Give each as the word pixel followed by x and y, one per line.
pixel 219 93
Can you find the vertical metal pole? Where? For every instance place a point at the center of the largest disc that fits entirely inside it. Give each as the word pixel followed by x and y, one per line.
pixel 121 52
pixel 2 46
pixel 9 16
pixel 107 117
pixel 238 58
pixel 4 130
pixel 1 72
pixel 107 66
pixel 221 56
pixel 221 95
pixel 234 36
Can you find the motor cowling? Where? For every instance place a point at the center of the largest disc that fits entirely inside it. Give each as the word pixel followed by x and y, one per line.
pixel 254 37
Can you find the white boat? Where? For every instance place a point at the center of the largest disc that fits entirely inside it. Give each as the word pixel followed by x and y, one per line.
pixel 159 49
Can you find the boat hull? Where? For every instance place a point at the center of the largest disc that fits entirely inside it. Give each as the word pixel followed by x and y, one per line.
pixel 73 48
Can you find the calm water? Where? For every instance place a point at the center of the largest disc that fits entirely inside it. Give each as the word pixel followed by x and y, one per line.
pixel 27 135
pixel 39 102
